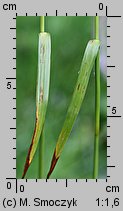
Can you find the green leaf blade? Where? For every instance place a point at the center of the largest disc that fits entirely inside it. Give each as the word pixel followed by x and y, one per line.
pixel 42 94
pixel 77 99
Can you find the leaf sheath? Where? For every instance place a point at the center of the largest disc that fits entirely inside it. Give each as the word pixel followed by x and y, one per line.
pixel 77 99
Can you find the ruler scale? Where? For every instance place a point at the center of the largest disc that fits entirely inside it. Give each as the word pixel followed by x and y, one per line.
pixel 72 194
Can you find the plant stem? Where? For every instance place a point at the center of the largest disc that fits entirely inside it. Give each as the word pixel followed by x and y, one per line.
pixel 41 141
pixel 41 154
pixel 97 105
pixel 42 23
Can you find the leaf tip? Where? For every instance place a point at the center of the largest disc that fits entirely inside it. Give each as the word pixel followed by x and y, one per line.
pixel 27 164
pixel 53 164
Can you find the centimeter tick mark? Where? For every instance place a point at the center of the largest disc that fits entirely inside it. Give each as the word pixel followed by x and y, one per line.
pixel 111 66
pixel 16 185
pixel 11 78
pixel 118 116
pixel 114 16
pixel 110 166
pixel 13 28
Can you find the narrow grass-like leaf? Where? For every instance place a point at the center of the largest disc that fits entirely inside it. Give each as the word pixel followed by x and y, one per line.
pixel 44 51
pixel 77 99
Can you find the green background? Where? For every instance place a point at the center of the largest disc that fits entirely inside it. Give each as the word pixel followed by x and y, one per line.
pixel 69 37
